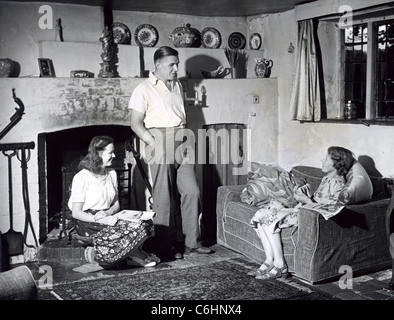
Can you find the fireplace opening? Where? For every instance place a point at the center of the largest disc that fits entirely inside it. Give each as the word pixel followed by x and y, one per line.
pixel 59 154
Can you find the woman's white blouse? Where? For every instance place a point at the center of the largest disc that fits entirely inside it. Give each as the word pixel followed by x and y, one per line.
pixel 96 193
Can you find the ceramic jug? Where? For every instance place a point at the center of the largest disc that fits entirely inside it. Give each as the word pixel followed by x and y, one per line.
pixel 185 36
pixel 263 67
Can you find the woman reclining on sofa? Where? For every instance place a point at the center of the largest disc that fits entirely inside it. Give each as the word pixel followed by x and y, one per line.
pixel 276 215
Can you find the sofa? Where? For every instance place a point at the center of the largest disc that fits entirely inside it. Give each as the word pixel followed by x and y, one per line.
pixel 317 249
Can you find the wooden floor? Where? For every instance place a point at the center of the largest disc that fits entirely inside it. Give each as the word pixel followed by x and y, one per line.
pixel 367 287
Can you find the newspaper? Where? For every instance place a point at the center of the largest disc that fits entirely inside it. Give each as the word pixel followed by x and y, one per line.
pixel 135 215
pixel 327 210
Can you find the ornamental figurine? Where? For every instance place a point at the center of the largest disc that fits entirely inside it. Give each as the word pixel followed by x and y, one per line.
pixel 109 55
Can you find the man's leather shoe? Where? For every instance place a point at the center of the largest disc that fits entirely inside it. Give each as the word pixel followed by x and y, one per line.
pixel 201 250
pixel 178 255
pixel 175 254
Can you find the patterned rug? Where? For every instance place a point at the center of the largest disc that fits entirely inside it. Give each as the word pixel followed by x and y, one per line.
pixel 225 280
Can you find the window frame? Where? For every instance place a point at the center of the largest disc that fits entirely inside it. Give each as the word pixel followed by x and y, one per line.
pixel 370 106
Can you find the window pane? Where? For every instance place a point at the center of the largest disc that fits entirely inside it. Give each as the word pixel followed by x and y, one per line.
pixel 355 46
pixel 385 110
pixel 390 70
pixel 380 90
pixel 389 90
pixel 357 34
pixel 357 72
pixel 382 32
pixel 390 51
pixel 358 53
pixel 381 110
pixel 357 91
pixel 390 109
pixel 349 73
pixel 384 94
pixel 363 72
pixel 349 35
pixel 381 51
pixel 361 108
pixel 349 54
pixel 364 53
pixel 365 35
pixel 381 68
pixel 390 32
pixel 349 91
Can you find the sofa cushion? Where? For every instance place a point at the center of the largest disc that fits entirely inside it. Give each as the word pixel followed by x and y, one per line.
pixel 358 187
pixel 310 175
pixel 268 182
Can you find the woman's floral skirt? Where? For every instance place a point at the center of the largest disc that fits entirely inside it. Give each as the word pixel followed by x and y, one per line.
pixel 115 243
pixel 276 220
pixel 112 244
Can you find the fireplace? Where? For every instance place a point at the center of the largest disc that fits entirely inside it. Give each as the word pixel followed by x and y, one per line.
pixel 61 116
pixel 59 154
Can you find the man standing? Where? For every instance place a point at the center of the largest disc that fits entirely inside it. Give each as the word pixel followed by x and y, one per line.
pixel 157 117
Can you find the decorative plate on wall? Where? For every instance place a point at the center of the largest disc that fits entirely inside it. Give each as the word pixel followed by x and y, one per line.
pixel 146 35
pixel 211 38
pixel 255 41
pixel 236 40
pixel 121 33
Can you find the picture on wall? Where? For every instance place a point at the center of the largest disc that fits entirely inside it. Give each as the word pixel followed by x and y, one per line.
pixel 46 67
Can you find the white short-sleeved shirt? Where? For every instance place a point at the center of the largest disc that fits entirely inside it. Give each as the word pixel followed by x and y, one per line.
pixel 162 108
pixel 95 193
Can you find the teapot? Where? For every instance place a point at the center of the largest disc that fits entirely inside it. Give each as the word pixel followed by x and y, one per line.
pixel 263 67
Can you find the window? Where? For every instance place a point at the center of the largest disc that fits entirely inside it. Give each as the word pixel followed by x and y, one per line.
pixel 384 97
pixel 368 79
pixel 356 45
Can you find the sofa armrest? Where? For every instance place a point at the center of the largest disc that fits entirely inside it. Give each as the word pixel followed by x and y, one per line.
pixel 355 237
pixel 226 194
pixel 232 192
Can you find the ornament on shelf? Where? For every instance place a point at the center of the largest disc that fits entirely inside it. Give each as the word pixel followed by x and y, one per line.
pixel 237 59
pixel 59 30
pixel 81 74
pixel 7 67
pixel 109 55
pixel 185 36
pixel 350 110
pixel 263 67
pixel 220 72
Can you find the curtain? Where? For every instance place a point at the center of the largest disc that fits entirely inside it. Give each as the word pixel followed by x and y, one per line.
pixel 305 98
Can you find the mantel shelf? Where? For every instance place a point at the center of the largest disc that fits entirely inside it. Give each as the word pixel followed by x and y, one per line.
pixel 68 56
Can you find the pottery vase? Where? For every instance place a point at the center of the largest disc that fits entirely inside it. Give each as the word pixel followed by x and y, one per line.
pixel 6 67
pixel 236 72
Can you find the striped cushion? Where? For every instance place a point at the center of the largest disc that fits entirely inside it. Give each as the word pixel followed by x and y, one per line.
pixel 268 182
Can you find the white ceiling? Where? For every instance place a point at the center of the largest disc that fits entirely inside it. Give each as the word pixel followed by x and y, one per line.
pixel 227 8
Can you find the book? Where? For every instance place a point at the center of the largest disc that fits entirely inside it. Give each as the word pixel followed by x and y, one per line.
pixel 327 210
pixel 135 215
